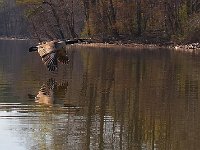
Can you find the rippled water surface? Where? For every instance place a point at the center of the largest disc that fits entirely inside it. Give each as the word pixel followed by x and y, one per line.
pixel 103 99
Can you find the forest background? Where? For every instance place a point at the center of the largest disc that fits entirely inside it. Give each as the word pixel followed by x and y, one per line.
pixel 148 21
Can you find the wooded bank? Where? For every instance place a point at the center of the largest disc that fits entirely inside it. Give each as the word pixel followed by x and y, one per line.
pixel 148 21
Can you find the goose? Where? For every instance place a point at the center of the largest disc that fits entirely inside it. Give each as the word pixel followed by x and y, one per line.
pixel 53 51
pixel 49 91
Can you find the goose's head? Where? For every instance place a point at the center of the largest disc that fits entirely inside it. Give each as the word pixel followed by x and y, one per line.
pixel 33 49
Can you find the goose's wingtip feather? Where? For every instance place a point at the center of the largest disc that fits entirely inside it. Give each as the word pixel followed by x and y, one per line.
pixel 51 62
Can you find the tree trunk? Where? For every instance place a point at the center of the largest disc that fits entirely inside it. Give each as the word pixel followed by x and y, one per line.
pixel 56 18
pixel 139 17
pixel 87 15
pixel 113 19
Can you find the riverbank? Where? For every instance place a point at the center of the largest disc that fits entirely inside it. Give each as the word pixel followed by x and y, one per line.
pixel 151 42
pixel 192 47
pixel 13 38
pixel 118 44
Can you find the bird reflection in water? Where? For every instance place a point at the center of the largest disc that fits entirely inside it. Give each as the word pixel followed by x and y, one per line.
pixel 50 92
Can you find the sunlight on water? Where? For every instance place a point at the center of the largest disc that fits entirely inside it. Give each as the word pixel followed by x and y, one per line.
pixel 103 99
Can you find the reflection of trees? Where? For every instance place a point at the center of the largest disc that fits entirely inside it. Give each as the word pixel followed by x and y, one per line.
pixel 124 100
pixel 143 91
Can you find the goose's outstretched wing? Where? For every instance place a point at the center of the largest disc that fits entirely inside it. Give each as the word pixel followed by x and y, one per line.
pixel 50 60
pixel 62 57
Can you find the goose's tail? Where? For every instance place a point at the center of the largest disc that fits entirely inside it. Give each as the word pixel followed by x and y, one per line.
pixel 33 48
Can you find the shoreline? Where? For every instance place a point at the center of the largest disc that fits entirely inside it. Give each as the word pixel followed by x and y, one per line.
pixel 131 45
pixel 13 38
pixel 192 47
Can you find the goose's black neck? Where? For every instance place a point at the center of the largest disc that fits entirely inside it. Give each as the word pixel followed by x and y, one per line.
pixel 73 41
pixel 67 42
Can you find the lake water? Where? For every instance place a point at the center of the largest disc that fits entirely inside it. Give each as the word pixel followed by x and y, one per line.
pixel 104 99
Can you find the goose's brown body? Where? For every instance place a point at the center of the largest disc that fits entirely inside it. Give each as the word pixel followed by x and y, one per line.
pixel 52 52
pixel 46 48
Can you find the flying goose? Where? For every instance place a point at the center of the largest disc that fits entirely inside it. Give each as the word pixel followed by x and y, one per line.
pixel 53 51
